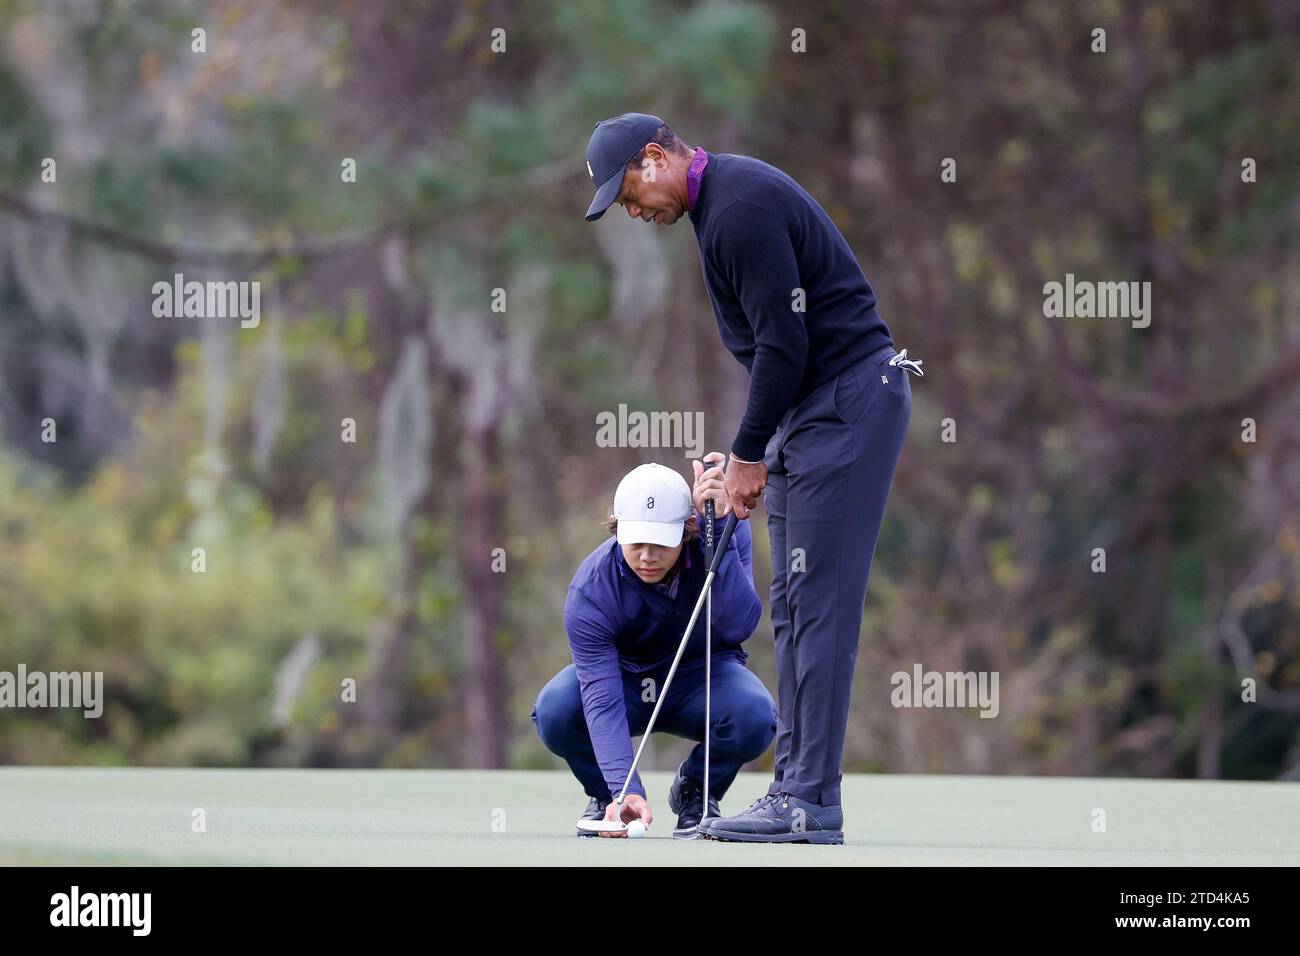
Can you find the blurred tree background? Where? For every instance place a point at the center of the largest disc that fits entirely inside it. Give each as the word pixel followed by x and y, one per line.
pixel 475 429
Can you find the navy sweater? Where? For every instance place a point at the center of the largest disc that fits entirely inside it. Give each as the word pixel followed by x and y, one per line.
pixel 617 624
pixel 761 237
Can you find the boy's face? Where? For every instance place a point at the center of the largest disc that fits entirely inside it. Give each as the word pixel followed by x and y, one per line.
pixel 650 561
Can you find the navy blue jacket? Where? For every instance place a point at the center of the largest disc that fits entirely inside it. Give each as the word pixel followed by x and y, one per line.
pixel 617 624
pixel 761 237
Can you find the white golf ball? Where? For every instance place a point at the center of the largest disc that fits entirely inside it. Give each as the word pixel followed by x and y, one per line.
pixel 635 830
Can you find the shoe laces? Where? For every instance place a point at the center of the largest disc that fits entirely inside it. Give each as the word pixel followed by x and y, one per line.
pixel 690 792
pixel 780 797
pixel 761 802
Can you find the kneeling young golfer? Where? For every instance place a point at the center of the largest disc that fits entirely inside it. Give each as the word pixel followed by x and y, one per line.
pixel 627 609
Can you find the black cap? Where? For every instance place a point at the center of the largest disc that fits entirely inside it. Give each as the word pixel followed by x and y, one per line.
pixel 611 146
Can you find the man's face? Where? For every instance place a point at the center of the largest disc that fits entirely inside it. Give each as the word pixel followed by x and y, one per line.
pixel 650 561
pixel 648 192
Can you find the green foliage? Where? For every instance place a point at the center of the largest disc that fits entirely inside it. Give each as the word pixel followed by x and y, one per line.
pixel 625 51
pixel 1119 166
pixel 100 578
pixel 24 131
pixel 723 50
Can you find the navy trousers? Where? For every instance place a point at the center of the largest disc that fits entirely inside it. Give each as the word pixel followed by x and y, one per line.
pixel 743 716
pixel 830 466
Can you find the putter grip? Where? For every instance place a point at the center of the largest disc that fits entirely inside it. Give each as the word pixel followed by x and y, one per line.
pixel 727 528
pixel 709 540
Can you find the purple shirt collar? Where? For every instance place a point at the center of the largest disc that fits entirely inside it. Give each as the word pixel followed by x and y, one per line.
pixel 694 175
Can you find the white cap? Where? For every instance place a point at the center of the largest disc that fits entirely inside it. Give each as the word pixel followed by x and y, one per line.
pixel 652 504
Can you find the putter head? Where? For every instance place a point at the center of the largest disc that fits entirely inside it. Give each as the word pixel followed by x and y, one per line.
pixel 688 833
pixel 602 826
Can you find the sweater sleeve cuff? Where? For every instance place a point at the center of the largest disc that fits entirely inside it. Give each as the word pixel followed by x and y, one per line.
pixel 634 786
pixel 750 445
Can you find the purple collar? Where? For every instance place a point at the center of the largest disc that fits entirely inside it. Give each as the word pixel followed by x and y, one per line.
pixel 694 175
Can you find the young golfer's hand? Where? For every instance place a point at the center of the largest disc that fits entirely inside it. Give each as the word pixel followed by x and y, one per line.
pixel 744 483
pixel 634 806
pixel 708 484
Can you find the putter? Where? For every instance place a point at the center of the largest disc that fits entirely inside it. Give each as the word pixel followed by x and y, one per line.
pixel 614 826
pixel 692 833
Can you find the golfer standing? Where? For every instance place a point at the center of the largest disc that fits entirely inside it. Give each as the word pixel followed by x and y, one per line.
pixel 828 408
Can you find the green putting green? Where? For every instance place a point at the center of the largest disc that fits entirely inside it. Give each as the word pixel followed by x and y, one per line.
pixel 497 818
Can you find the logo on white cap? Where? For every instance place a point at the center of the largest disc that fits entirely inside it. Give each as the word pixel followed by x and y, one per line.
pixel 652 504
